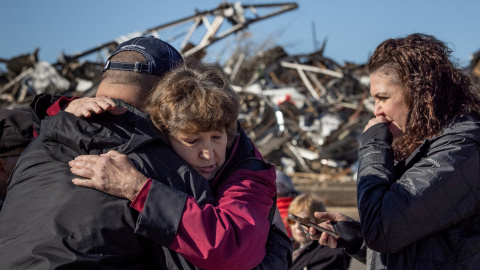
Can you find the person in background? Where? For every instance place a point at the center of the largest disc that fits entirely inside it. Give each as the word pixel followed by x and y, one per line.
pixel 419 161
pixel 16 132
pixel 309 254
pixel 286 192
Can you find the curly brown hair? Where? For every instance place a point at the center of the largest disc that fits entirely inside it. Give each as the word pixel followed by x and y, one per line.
pixel 195 97
pixel 434 88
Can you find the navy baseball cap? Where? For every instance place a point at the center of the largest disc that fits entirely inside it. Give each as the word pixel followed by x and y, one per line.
pixel 161 56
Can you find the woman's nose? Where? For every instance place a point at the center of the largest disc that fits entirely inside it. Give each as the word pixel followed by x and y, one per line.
pixel 207 152
pixel 378 110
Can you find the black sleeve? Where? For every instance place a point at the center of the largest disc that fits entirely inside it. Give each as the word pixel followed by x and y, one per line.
pixel 39 106
pixel 359 255
pixel 350 234
pixel 279 251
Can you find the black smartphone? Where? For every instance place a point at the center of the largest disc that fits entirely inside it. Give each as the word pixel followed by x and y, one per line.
pixel 309 224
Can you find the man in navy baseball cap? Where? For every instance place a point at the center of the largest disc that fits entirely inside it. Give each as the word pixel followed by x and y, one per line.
pixel 129 74
pixel 134 68
pixel 79 228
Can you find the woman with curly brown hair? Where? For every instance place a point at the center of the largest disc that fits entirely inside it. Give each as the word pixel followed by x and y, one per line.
pixel 419 171
pixel 435 91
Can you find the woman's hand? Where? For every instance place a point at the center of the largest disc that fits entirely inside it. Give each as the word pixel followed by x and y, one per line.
pixel 324 238
pixel 84 107
pixel 112 173
pixel 377 120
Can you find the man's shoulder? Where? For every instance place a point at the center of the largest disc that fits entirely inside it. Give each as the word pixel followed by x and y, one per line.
pixel 98 131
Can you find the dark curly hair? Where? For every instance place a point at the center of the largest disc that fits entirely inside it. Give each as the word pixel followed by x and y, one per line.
pixel 195 97
pixel 434 88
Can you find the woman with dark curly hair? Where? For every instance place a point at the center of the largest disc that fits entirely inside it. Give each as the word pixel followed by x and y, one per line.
pixel 419 171
pixel 434 90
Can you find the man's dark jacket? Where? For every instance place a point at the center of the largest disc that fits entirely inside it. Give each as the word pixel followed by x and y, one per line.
pixel 49 223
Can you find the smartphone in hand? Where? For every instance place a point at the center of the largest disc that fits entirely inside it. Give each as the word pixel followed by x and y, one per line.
pixel 309 224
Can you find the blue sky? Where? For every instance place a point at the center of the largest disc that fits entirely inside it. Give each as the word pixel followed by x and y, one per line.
pixel 352 28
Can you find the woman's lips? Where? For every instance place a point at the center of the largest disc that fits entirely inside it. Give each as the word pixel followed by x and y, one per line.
pixel 207 169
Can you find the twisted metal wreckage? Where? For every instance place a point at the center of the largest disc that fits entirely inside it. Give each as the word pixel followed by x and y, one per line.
pixel 305 113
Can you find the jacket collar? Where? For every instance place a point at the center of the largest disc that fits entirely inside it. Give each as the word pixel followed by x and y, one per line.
pixel 241 149
pixel 467 126
pixel 101 133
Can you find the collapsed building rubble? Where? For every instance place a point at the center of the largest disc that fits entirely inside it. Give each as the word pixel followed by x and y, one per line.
pixel 305 113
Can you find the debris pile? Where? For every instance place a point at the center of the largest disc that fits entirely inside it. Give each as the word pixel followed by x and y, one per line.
pixel 305 113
